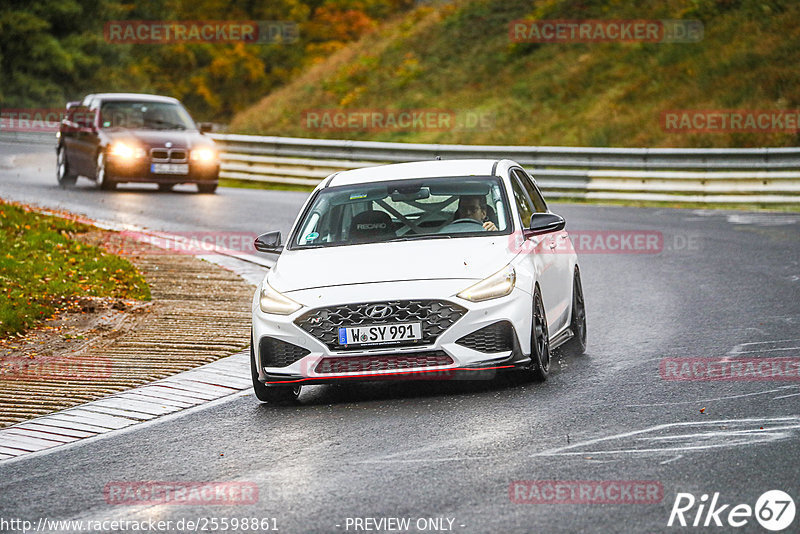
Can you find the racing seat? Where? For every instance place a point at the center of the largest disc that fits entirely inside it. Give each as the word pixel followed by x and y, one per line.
pixel 371 225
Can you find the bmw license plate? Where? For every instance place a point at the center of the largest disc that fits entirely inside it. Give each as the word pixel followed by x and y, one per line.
pixel 381 333
pixel 169 168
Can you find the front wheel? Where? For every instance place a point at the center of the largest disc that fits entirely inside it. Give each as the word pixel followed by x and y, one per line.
pixel 104 182
pixel 577 343
pixel 207 188
pixel 63 174
pixel 540 341
pixel 274 394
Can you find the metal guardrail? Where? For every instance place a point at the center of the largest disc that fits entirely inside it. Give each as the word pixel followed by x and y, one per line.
pixel 718 175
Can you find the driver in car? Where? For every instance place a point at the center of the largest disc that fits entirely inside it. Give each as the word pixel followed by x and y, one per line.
pixel 475 207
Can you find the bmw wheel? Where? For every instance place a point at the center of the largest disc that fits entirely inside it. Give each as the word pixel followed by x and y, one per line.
pixel 207 188
pixel 63 174
pixel 273 394
pixel 577 343
pixel 103 181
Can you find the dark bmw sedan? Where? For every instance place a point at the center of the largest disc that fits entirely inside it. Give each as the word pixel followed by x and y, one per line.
pixel 113 138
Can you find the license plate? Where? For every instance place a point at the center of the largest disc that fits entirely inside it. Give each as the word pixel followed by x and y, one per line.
pixel 169 168
pixel 381 333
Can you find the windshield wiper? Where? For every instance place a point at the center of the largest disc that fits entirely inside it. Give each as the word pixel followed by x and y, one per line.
pixel 421 236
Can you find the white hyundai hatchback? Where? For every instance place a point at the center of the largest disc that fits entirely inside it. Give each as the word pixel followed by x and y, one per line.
pixel 434 269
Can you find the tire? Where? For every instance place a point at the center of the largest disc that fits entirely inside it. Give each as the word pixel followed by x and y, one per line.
pixel 165 188
pixel 280 395
pixel 577 343
pixel 101 177
pixel 207 188
pixel 63 175
pixel 540 341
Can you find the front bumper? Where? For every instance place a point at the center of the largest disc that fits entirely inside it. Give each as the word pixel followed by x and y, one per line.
pixel 140 171
pixel 314 359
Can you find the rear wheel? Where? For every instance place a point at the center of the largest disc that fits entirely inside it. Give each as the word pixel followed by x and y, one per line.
pixel 104 182
pixel 577 343
pixel 540 341
pixel 207 188
pixel 273 394
pixel 63 174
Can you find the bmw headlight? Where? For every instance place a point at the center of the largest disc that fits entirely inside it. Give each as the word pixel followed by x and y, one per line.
pixel 498 285
pixel 272 301
pixel 204 155
pixel 125 150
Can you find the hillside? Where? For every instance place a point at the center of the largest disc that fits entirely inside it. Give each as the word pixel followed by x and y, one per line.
pixel 459 57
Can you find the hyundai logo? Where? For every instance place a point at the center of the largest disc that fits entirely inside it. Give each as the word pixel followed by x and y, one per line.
pixel 379 311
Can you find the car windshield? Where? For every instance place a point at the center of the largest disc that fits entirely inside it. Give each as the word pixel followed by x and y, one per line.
pixel 431 208
pixel 145 115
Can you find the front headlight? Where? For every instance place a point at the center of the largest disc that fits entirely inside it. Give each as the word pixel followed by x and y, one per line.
pixel 123 150
pixel 204 155
pixel 271 301
pixel 498 285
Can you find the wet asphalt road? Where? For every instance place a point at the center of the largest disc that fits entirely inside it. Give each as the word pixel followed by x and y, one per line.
pixel 725 283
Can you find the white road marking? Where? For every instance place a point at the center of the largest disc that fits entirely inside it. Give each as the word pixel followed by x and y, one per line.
pixel 786 396
pixel 712 399
pixel 737 349
pixel 721 437
pixel 766 350
pixel 671 460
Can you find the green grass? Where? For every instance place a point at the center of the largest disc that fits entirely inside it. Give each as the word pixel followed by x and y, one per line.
pixel 43 269
pixel 458 56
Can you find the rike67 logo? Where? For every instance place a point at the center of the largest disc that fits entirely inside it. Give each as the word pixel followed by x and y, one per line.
pixel 774 510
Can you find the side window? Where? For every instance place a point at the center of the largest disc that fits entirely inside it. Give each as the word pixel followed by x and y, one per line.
pixel 521 199
pixel 533 191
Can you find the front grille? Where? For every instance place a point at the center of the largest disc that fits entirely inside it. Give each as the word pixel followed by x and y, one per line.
pixel 168 155
pixel 436 316
pixel 361 364
pixel 277 353
pixel 497 337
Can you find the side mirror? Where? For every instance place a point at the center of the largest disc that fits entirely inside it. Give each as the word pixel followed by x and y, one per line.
pixel 545 223
pixel 269 242
pixel 206 127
